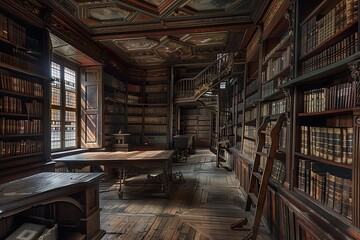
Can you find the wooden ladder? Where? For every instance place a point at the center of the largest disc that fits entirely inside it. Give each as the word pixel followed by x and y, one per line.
pixel 257 178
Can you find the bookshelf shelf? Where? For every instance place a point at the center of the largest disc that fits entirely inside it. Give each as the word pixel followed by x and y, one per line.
pixel 330 41
pixel 19 94
pixel 278 49
pixel 329 112
pixel 22 71
pixel 19 136
pixel 284 73
pixel 314 203
pixel 318 159
pixel 37 154
pixel 20 115
pixel 323 72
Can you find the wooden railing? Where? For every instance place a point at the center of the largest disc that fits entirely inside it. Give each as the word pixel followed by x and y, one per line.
pixel 191 89
pixel 184 90
pixel 212 75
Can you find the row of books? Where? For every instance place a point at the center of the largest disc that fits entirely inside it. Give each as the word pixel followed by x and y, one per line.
pixel 114 108
pixel 155 120
pixel 134 119
pixel 114 82
pixel 249 101
pixel 276 66
pixel 135 99
pixel 239 118
pixel 273 108
pixel 155 128
pixel 11 30
pixel 333 144
pixel 250 131
pixel 163 111
pixel 333 54
pixel 335 97
pixel 21 59
pixel 249 148
pixel 278 171
pixel 250 115
pixel 283 39
pixel 153 140
pixel 156 98
pixel 111 119
pixel 15 105
pixel 14 127
pixel 23 147
pixel 134 88
pixel 240 106
pixel 159 88
pixel 328 185
pixel 271 12
pixel 254 85
pixel 19 85
pixel 320 28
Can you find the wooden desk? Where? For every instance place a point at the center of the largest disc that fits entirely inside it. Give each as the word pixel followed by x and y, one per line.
pixel 124 160
pixel 69 199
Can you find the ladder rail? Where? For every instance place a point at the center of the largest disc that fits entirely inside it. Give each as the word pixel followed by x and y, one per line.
pixel 265 177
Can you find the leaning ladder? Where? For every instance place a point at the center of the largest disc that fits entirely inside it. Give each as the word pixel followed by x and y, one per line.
pixel 258 197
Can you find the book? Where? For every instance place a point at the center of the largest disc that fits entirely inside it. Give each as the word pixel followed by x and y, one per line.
pixel 347 198
pixel 330 189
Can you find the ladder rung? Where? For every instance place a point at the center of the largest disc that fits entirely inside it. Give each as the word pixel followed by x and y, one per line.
pixel 262 154
pixel 257 175
pixel 253 198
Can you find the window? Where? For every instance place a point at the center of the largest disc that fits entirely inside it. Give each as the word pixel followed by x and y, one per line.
pixel 63 107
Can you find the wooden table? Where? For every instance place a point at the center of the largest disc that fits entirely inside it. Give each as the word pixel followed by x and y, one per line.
pixel 124 160
pixel 69 199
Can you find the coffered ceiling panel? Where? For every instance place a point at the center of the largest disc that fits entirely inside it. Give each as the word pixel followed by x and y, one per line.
pixel 165 32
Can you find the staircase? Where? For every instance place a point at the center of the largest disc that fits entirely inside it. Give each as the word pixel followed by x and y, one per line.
pixel 202 90
pixel 201 87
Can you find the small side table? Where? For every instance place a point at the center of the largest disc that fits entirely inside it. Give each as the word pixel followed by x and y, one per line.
pixel 121 142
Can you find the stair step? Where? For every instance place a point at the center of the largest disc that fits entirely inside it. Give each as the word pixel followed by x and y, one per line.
pixel 253 198
pixel 257 175
pixel 262 154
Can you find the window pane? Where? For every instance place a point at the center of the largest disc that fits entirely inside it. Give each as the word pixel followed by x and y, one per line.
pixel 70 129
pixel 63 112
pixel 70 87
pixel 55 129
pixel 70 99
pixel 56 84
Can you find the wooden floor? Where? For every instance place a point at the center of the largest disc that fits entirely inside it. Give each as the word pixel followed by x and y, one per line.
pixel 203 207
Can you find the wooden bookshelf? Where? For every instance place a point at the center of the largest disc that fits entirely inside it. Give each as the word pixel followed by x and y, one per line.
pixel 24 84
pixel 324 96
pixel 147 108
pixel 114 106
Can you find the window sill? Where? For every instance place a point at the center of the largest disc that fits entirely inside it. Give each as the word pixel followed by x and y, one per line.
pixel 68 152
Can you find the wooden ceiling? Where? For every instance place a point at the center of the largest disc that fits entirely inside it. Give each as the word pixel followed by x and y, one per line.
pixel 166 32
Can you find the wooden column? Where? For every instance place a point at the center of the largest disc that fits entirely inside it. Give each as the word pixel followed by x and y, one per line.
pixel 355 73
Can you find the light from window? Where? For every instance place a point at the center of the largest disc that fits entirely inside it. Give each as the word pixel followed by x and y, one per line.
pixel 63 112
pixel 223 85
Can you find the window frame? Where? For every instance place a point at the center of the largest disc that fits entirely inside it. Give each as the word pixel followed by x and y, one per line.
pixel 66 64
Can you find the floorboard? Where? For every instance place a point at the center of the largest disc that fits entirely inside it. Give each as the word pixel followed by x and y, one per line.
pixel 202 208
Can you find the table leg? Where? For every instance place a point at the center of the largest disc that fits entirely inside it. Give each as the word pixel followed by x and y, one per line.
pixel 121 178
pixel 165 186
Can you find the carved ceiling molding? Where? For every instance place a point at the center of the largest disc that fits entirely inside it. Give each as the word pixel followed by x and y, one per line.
pixel 30 7
pixel 70 35
pixel 235 23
